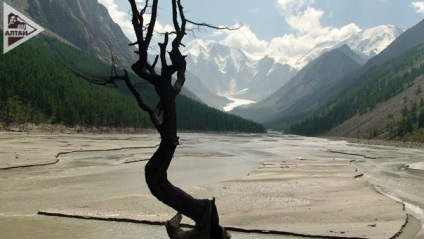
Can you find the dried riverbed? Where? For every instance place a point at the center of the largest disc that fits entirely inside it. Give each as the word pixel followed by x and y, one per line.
pixel 296 185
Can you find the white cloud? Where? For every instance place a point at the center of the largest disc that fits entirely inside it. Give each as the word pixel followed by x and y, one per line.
pixel 289 47
pixel 304 20
pixel 123 19
pixel 299 15
pixel 245 39
pixel 308 22
pixel 290 6
pixel 307 32
pixel 418 6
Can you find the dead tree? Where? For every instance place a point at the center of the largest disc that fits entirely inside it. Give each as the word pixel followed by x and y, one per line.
pixel 164 118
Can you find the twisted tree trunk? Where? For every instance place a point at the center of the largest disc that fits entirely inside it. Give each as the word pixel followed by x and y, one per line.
pixel 164 117
pixel 202 212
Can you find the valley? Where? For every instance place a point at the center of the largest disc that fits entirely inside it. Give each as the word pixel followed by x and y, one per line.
pixel 279 92
pixel 307 121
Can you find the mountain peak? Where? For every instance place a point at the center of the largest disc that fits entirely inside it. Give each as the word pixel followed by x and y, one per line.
pixel 372 41
pixel 230 72
pixel 308 90
pixel 198 47
pixel 365 43
pixel 410 38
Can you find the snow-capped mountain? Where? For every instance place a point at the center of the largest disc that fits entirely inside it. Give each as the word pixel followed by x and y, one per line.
pixel 308 90
pixel 230 72
pixel 234 74
pixel 365 43
pixel 370 42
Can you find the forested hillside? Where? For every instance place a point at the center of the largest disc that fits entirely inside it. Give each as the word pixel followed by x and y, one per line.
pixel 36 87
pixel 371 89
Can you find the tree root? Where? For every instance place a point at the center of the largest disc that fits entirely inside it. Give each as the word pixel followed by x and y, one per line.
pixel 208 228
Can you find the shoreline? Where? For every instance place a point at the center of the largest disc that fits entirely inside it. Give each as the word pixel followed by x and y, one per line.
pixel 413 208
pixel 62 129
pixel 412 226
pixel 31 128
pixel 88 130
pixel 380 142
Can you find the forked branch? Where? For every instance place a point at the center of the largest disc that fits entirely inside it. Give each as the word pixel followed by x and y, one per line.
pixel 164 117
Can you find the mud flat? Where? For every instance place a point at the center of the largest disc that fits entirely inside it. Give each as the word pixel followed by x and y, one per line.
pixel 304 197
pixel 283 186
pixel 26 150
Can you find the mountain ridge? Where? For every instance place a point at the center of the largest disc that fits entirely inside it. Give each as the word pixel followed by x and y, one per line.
pixel 409 39
pixel 306 91
pixel 87 25
pixel 228 71
pixel 366 43
pixel 72 23
pixel 384 100
pixel 231 72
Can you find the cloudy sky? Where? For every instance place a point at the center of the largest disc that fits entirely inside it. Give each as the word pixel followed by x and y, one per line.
pixel 288 27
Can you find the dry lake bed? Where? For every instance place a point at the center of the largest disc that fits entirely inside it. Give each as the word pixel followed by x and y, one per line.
pixel 265 185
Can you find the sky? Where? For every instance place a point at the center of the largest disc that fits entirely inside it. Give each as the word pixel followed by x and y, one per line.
pixel 279 27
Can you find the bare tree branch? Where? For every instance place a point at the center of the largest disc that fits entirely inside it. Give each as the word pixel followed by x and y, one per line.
pixel 164 117
pixel 137 22
pixel 162 47
pixel 214 27
pixel 151 27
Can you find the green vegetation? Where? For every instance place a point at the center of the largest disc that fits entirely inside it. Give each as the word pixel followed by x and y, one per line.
pixel 211 119
pixel 411 125
pixel 37 88
pixel 366 91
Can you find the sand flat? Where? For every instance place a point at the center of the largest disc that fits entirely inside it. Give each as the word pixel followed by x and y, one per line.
pixel 298 196
pixel 296 185
pixel 25 150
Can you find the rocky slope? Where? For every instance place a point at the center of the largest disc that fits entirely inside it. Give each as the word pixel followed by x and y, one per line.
pixel 307 91
pixel 376 122
pixel 85 24
pixel 385 98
